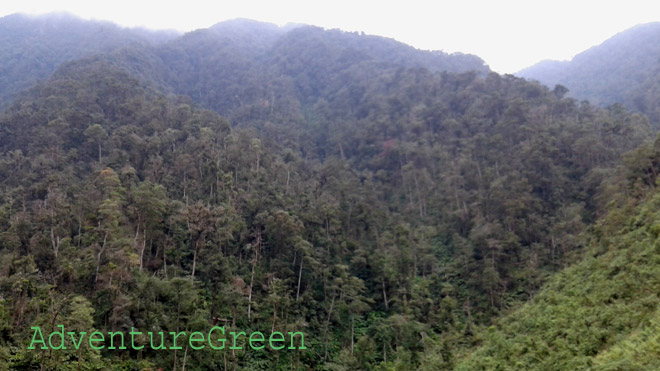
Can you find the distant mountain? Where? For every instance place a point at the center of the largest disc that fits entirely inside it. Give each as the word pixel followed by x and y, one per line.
pixel 247 70
pixel 231 67
pixel 32 47
pixel 622 69
pixel 247 32
pixel 314 55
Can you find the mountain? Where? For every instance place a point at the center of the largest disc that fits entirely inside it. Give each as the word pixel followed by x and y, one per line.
pixel 32 47
pixel 249 33
pixel 258 74
pixel 196 63
pixel 390 203
pixel 237 66
pixel 623 69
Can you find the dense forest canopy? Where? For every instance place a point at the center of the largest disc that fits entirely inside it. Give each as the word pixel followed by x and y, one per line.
pixel 397 206
pixel 602 312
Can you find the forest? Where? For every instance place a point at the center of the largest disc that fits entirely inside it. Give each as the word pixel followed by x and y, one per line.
pixel 404 209
pixel 623 69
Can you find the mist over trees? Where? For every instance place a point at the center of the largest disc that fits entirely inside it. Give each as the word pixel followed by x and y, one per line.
pixel 32 47
pixel 405 209
pixel 623 69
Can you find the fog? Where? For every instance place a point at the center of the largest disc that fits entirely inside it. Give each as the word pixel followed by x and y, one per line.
pixel 509 35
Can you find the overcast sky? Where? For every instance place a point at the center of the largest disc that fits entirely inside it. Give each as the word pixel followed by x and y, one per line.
pixel 508 34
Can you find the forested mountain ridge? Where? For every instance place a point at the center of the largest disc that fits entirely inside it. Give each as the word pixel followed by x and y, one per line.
pixel 195 64
pixel 387 208
pixel 264 76
pixel 32 47
pixel 623 69
pixel 239 67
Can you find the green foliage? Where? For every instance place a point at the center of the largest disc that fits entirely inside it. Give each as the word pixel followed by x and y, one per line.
pixel 600 313
pixel 363 195
pixel 639 351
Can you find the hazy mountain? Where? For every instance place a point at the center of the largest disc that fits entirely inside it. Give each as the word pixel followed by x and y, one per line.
pixel 31 47
pixel 231 62
pixel 622 69
pixel 239 66
pixel 250 33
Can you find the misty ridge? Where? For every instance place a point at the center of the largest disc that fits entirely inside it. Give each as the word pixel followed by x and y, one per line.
pixel 400 209
pixel 623 69
pixel 62 37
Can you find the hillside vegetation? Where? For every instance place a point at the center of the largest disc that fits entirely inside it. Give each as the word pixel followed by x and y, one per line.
pixel 602 312
pixel 390 203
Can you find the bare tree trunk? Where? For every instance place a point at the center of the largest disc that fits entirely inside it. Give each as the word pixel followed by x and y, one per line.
pixel 194 259
pixel 137 231
pixel 55 241
pixel 420 201
pixel 185 357
pixel 144 245
pixel 352 333
pixel 327 326
pixel 254 263
pixel 98 258
pixel 299 277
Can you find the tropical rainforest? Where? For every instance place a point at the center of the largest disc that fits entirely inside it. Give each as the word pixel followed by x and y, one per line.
pixel 404 209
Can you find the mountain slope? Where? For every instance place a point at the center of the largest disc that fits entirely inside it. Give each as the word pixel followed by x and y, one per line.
pixel 201 62
pixel 268 77
pixel 618 70
pixel 239 66
pixel 602 312
pixel 32 47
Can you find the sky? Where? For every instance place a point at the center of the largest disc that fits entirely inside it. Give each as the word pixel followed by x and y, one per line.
pixel 508 34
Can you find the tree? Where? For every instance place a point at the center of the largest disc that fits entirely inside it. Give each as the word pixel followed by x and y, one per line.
pixel 150 205
pixel 97 134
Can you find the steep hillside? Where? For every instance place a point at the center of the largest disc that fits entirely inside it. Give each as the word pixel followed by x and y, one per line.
pixel 270 78
pixel 602 312
pixel 622 69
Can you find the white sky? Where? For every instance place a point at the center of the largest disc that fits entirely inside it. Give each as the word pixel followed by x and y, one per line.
pixel 508 34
